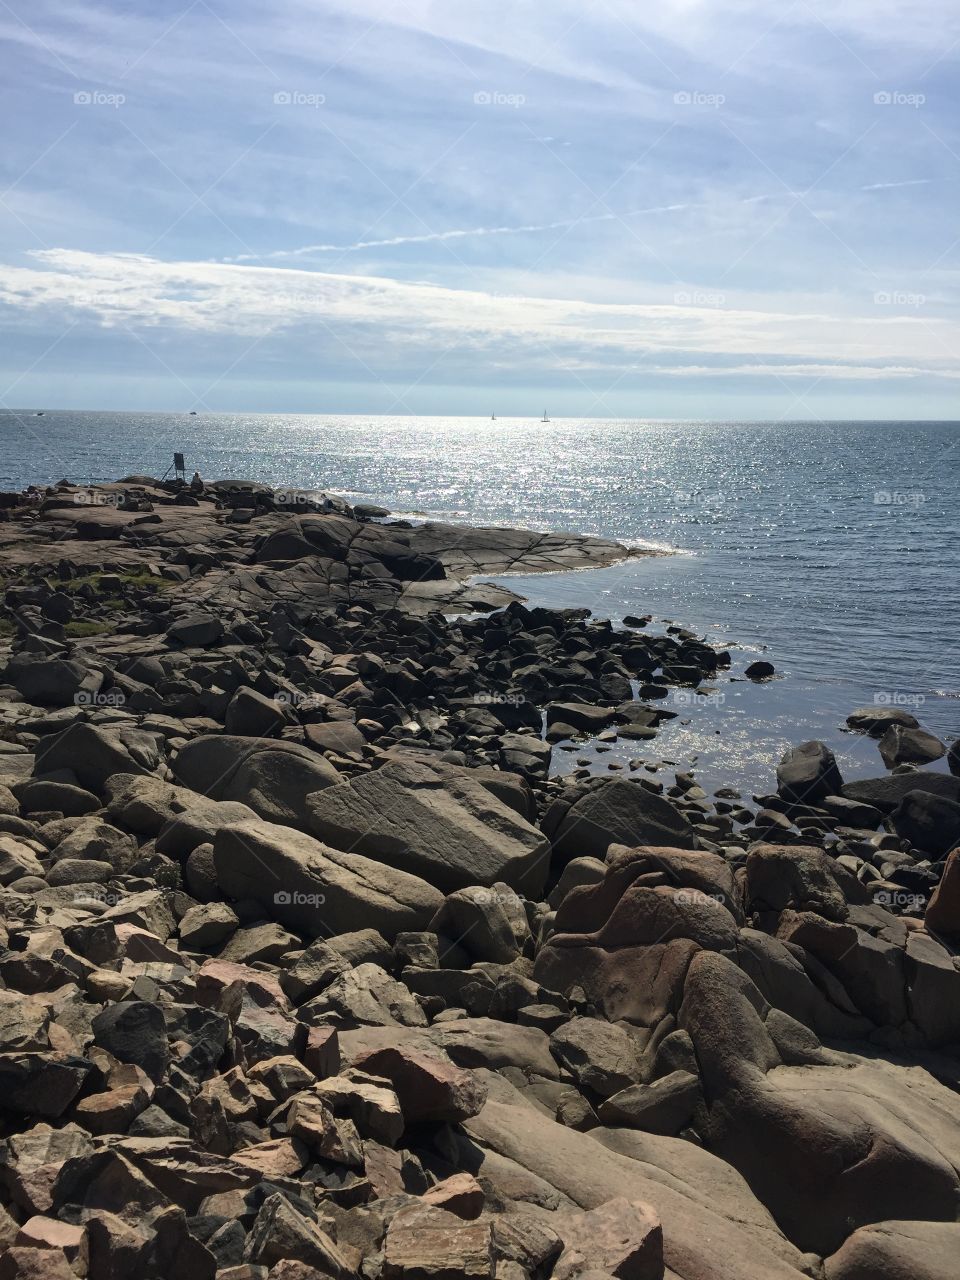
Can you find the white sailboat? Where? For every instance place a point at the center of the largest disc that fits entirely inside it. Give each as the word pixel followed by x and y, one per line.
pixel 544 418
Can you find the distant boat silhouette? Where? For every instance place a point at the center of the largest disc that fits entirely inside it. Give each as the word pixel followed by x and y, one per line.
pixel 193 413
pixel 493 417
pixel 544 418
pixel 40 413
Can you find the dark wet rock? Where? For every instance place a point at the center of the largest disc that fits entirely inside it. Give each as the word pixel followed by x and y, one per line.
pixel 808 774
pixel 887 792
pixel 930 822
pixel 878 719
pixel 759 670
pixel 909 745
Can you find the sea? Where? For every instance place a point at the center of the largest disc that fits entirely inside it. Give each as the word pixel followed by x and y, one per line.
pixel 830 549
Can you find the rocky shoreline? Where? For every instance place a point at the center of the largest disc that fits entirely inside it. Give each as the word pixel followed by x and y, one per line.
pixel 315 961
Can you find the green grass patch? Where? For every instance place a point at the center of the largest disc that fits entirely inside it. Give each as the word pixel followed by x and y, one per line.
pixel 78 630
pixel 139 580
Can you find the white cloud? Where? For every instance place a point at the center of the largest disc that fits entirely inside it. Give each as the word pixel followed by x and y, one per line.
pixel 422 320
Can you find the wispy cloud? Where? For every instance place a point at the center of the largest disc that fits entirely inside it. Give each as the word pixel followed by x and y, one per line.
pixel 461 233
pixel 891 186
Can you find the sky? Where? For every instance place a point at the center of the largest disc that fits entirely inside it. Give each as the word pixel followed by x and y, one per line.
pixel 708 210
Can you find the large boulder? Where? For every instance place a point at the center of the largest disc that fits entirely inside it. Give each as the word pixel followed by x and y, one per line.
pixel 195 630
pixel 94 753
pixel 274 778
pixel 943 909
pixel 808 774
pixel 713 1226
pixel 877 720
pixel 800 876
pixel 53 682
pixel 447 827
pixel 828 1142
pixel 886 793
pixel 898 1250
pixel 317 890
pixel 903 745
pixel 620 812
pixel 176 817
pixel 930 822
pixel 628 939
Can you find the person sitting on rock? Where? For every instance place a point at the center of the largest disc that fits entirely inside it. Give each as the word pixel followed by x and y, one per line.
pixel 196 484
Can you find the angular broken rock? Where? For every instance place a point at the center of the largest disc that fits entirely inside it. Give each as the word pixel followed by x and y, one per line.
pixel 135 1031
pixel 664 1106
pixel 603 1057
pixel 41 1084
pixel 426 1243
pixel 281 1231
pixel 317 890
pixel 461 1194
pixel 621 1238
pixel 443 825
pixel 430 1090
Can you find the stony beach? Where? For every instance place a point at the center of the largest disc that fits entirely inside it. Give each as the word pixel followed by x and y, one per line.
pixel 322 955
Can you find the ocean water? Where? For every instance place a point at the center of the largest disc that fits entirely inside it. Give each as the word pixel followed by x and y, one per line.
pixel 831 548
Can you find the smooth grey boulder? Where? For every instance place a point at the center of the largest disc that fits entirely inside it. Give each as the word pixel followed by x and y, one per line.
pixel 195 630
pixel 447 827
pixel 274 778
pixel 620 812
pixel 316 890
pixel 53 682
pixel 178 818
pixel 94 753
pixel 252 714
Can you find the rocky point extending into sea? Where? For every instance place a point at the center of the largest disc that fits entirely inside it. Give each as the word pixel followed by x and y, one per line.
pixel 313 962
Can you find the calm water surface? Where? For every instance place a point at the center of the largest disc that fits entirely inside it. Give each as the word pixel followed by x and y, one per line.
pixel 829 547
